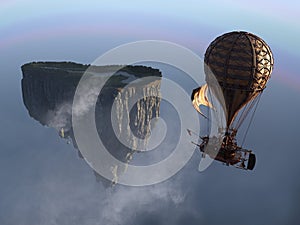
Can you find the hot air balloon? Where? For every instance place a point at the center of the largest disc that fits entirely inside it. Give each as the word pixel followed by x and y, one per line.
pixel 237 66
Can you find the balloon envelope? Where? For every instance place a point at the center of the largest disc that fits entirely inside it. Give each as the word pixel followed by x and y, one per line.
pixel 242 64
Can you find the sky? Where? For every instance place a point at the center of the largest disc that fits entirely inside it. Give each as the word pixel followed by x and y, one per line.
pixel 274 21
pixel 43 181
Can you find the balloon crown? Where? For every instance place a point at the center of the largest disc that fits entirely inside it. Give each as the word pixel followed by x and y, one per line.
pixel 240 60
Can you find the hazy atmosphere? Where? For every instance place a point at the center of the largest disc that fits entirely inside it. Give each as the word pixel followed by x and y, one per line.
pixel 44 178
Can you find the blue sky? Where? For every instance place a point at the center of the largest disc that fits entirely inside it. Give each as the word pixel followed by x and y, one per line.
pixel 274 20
pixel 190 23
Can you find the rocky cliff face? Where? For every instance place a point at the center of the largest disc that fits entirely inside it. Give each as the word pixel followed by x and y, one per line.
pixel 48 90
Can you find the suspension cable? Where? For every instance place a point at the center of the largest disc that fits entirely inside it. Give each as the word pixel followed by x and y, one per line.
pixel 251 120
pixel 245 113
pixel 240 119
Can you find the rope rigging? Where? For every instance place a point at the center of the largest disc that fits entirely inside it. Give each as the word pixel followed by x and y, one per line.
pixel 250 122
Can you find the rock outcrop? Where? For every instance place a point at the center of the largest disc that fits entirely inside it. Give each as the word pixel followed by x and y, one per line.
pixel 48 90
